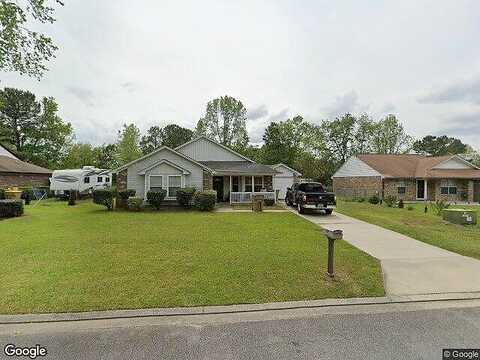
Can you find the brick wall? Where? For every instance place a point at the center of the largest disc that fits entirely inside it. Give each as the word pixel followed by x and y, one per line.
pixel 122 180
pixel 391 189
pixel 355 187
pixel 207 180
pixel 462 191
pixel 19 179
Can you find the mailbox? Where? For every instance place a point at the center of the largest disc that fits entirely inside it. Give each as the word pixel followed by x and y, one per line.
pixel 332 235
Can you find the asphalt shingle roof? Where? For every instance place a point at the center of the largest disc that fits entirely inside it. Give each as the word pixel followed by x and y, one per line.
pixel 239 167
pixel 11 165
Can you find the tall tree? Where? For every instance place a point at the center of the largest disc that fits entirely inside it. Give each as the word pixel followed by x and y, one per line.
pixel 128 144
pixel 34 129
pixel 390 137
pixel 79 155
pixel 174 135
pixel 439 145
pixel 340 137
pixel 106 156
pixel 225 121
pixel 151 140
pixel 22 49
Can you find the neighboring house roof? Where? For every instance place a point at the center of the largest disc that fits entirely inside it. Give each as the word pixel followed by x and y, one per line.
pixel 155 152
pixel 217 144
pixel 239 167
pixel 13 165
pixel 287 167
pixel 418 166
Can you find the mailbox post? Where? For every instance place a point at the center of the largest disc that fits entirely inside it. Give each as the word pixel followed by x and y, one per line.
pixel 332 236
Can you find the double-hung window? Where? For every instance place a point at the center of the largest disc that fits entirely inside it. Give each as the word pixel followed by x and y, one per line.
pixel 448 187
pixel 174 183
pixel 401 188
pixel 248 184
pixel 156 182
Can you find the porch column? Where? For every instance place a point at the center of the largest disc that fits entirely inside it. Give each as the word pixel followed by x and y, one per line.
pixel 230 193
pixel 471 191
pixel 425 194
pixel 253 184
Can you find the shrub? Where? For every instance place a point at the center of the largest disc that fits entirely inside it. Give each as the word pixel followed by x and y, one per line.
pixel 155 197
pixel 439 205
pixel 401 205
pixel 72 198
pixel 2 194
pixel 123 196
pixel 27 195
pixel 104 197
pixel 205 200
pixel 185 196
pixel 135 204
pixel 11 208
pixel 374 200
pixel 361 199
pixel 269 202
pixel 390 200
pixel 410 208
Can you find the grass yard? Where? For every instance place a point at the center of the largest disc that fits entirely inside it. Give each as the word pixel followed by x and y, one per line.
pixel 58 258
pixel 428 228
pixel 249 207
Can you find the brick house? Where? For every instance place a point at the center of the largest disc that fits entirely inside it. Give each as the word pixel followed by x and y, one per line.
pixel 204 164
pixel 14 172
pixel 409 177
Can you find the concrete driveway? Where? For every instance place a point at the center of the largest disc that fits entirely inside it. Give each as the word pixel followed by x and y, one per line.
pixel 409 266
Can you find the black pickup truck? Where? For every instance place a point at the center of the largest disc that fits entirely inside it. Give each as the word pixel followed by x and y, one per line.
pixel 310 195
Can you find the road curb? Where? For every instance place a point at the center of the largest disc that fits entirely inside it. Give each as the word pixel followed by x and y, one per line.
pixel 232 309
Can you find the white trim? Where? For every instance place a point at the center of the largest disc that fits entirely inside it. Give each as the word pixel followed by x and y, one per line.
pixel 457 158
pixel 287 167
pixel 425 189
pixel 157 151
pixel 164 161
pixel 216 143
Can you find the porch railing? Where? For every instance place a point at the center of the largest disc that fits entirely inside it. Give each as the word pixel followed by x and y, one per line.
pixel 246 197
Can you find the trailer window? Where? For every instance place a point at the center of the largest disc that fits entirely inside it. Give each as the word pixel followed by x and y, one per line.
pixel 86 180
pixel 99 179
pixel 107 179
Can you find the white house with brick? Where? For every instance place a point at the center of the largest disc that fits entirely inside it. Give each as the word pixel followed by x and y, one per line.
pixel 409 177
pixel 205 165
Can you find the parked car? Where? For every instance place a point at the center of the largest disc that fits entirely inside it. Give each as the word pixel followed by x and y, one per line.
pixel 312 196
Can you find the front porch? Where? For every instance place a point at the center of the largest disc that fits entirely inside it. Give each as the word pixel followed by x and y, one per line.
pixel 240 189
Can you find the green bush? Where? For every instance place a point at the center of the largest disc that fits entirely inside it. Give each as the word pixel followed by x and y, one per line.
pixel 135 204
pixel 27 195
pixel 122 197
pixel 361 200
pixel 2 194
pixel 401 205
pixel 185 196
pixel 11 208
pixel 155 197
pixel 374 199
pixel 205 200
pixel 410 208
pixel 440 205
pixel 269 202
pixel 390 200
pixel 104 197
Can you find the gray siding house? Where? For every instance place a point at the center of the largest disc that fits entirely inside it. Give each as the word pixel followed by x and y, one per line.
pixel 205 165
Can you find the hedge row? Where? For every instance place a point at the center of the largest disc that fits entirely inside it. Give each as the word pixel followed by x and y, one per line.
pixel 11 208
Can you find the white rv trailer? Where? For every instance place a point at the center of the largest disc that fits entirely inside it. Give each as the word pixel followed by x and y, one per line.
pixel 83 180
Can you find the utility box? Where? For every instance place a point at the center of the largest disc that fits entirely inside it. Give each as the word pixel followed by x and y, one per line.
pixel 460 216
pixel 257 203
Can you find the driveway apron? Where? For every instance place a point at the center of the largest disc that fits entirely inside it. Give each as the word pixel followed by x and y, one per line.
pixel 410 267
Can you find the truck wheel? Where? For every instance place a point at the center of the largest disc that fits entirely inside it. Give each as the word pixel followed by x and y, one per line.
pixel 300 209
pixel 328 211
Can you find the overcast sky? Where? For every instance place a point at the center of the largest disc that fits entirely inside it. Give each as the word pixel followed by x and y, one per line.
pixel 159 62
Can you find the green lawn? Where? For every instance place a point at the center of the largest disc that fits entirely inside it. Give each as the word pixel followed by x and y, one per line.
pixel 58 258
pixel 249 207
pixel 428 228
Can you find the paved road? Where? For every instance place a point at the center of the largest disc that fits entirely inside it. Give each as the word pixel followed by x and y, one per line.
pixel 388 332
pixel 409 266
